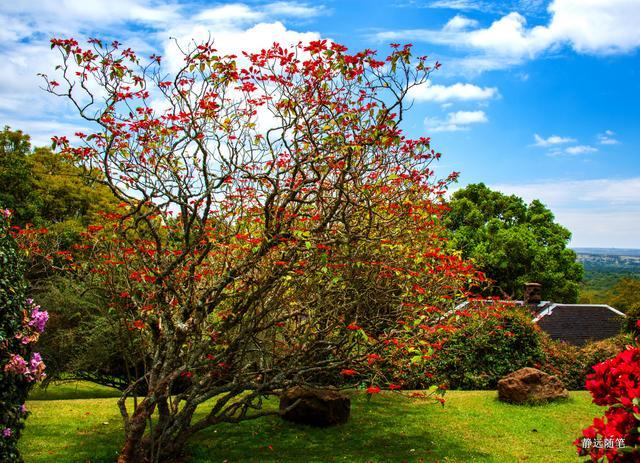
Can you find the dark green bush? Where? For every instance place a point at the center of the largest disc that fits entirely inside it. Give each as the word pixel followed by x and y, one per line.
pixel 489 342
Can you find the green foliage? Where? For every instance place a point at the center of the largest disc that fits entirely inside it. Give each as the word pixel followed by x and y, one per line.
pixel 625 295
pixel 489 343
pixel 44 189
pixel 17 186
pixel 598 284
pixel 619 290
pixel 572 364
pixel 513 243
pixel 84 339
pixel 14 388
pixel 72 390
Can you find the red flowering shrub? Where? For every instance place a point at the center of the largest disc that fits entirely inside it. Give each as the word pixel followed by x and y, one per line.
pixel 614 383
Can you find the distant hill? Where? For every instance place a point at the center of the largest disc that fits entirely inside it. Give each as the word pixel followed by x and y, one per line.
pixel 603 268
pixel 608 260
pixel 608 252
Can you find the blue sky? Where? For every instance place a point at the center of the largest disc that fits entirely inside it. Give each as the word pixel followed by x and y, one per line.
pixel 537 98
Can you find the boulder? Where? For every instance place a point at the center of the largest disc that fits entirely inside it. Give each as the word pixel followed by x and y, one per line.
pixel 315 407
pixel 530 385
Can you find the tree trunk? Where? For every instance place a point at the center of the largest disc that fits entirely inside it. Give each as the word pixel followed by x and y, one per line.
pixel 133 450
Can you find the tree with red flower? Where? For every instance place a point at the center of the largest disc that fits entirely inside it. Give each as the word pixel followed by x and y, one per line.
pixel 253 253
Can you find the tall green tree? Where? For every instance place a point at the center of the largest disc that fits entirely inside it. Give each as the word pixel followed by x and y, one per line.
pixel 17 191
pixel 514 243
pixel 45 189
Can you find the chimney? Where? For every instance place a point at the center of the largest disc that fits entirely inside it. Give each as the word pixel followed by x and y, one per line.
pixel 532 293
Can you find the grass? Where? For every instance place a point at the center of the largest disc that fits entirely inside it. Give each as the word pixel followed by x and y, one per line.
pixel 472 427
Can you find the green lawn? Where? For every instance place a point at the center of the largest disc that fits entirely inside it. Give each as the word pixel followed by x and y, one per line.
pixel 472 427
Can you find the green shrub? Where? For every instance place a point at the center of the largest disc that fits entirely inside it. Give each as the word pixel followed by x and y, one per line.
pixel 572 364
pixel 631 322
pixel 489 342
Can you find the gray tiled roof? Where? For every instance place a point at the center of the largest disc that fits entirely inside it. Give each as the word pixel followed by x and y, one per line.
pixel 574 323
pixel 579 323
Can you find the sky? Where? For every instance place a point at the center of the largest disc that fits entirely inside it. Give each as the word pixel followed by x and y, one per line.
pixel 535 98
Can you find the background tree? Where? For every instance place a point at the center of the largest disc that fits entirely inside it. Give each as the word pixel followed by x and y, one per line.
pixel 16 181
pixel 625 296
pixel 513 243
pixel 45 191
pixel 252 254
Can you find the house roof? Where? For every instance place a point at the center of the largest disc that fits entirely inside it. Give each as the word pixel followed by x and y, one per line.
pixel 580 323
pixel 574 323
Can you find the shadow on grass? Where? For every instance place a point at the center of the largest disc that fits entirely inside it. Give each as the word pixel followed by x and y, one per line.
pixel 71 390
pixel 383 430
pixel 535 403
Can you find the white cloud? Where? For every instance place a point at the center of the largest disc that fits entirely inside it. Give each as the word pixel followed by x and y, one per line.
pixel 456 4
pixel 40 131
pixel 232 40
pixel 580 149
pixel 71 16
pixel 508 36
pixel 553 140
pixel 596 26
pixel 599 212
pixel 607 138
pixel 294 9
pixel 456 121
pixel 602 228
pixel 579 193
pixel 458 91
pixel 143 25
pixel 467 117
pixel 459 23
pixel 229 14
pixel 588 26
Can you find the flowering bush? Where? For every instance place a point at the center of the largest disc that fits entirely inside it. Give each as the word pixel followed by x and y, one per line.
pixel 615 383
pixel 21 323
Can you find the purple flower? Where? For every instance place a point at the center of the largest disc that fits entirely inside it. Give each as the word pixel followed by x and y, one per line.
pixel 23 409
pixel 16 365
pixel 6 213
pixel 39 318
pixel 36 368
pixel 32 371
pixel 7 432
pixel 36 358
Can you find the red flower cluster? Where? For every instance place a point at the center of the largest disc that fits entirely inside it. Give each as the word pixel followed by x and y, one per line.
pixel 614 383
